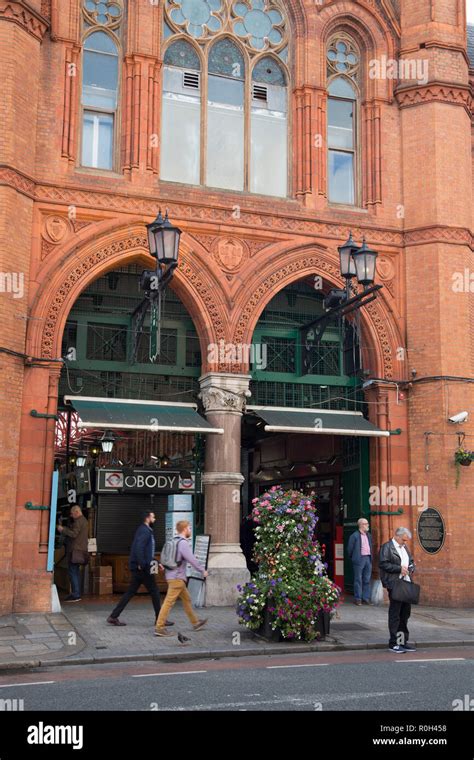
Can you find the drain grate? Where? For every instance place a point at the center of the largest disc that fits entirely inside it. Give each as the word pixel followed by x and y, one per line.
pixel 349 627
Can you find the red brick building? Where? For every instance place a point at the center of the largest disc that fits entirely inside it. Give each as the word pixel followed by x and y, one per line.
pixel 269 129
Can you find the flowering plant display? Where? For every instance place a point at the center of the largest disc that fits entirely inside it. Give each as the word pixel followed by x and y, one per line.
pixel 291 581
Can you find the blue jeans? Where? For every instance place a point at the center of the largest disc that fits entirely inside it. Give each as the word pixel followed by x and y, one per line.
pixel 362 576
pixel 74 572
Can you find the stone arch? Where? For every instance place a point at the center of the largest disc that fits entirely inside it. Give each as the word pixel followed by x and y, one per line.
pixel 64 280
pixel 379 327
pixel 368 27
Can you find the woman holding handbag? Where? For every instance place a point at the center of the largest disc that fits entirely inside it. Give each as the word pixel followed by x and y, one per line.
pixel 396 567
pixel 76 550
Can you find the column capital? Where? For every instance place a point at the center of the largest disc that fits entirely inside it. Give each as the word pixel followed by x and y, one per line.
pixel 222 392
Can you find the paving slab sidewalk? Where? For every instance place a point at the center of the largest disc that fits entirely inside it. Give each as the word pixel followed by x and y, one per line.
pixel 80 634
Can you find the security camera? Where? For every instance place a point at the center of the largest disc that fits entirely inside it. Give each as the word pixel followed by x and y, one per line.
pixel 458 418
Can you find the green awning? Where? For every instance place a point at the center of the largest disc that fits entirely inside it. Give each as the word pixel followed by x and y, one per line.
pixel 129 414
pixel 318 421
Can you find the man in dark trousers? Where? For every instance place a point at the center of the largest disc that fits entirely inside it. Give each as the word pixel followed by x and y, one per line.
pixel 359 549
pixel 142 555
pixel 396 562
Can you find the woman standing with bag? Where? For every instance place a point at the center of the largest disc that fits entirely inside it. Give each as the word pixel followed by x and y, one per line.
pixel 76 550
pixel 396 565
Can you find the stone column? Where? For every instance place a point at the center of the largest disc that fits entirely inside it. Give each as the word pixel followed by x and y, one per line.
pixel 223 397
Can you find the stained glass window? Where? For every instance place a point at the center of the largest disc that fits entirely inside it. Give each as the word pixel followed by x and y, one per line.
pixel 244 146
pixel 182 54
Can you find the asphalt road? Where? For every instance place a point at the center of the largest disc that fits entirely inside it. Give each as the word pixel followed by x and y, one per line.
pixel 375 680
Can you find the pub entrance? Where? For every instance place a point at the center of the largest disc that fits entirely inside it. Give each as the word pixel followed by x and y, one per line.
pixel 332 465
pixel 114 487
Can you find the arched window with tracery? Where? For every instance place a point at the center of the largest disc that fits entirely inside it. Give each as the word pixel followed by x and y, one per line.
pixel 102 21
pixel 225 95
pixel 343 118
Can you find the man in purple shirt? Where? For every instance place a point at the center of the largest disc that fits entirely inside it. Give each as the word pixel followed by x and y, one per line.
pixel 359 549
pixel 176 578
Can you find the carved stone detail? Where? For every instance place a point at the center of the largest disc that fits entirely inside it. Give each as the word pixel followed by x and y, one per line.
pixel 224 392
pixel 217 400
pixel 46 248
pixel 386 272
pixel 79 224
pixel 56 228
pixel 255 246
pixel 315 264
pixel 443 93
pixel 27 18
pixel 229 253
pixel 196 282
pixel 205 240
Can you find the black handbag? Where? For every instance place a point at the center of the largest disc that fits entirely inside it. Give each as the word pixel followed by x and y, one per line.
pixel 402 591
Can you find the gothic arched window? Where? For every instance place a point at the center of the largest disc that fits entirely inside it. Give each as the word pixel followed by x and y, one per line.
pixel 100 83
pixel 235 136
pixel 342 121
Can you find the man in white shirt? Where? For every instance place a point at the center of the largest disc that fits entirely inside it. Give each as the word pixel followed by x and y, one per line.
pixel 396 563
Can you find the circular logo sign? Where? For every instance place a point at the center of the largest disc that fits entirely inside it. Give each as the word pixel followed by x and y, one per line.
pixel 431 531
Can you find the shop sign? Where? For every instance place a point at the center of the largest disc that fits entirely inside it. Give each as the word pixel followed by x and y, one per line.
pixel 143 481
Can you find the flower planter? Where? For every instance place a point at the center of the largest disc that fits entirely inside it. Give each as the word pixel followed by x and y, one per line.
pixel 322 626
pixel 465 462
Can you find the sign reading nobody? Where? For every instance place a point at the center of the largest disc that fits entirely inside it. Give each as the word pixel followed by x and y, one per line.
pixel 143 481
pixel 431 531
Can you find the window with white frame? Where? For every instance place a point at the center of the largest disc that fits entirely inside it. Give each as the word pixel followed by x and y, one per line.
pixel 100 82
pixel 342 117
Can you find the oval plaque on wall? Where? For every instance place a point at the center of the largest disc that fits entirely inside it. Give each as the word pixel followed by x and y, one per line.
pixel 431 531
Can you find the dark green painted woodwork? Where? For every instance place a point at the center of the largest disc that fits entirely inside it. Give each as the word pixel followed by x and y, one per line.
pixel 355 494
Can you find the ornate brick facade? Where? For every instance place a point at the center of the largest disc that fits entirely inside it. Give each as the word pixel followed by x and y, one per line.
pixel 62 226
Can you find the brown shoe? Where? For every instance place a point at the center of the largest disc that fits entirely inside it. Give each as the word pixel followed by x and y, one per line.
pixel 162 632
pixel 366 601
pixel 114 621
pixel 358 602
pixel 200 624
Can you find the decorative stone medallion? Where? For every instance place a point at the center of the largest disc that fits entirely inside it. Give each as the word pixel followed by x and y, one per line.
pixel 229 253
pixel 56 228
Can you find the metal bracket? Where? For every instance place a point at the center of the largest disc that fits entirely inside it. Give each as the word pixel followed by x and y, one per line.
pixel 398 512
pixel 39 415
pixel 397 431
pixel 30 505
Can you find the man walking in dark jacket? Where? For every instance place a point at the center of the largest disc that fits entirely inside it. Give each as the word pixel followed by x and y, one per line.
pixel 359 549
pixel 142 555
pixel 396 563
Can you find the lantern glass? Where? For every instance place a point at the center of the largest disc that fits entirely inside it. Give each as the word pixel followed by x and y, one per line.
pixel 163 240
pixel 107 442
pixel 365 261
pixel 81 458
pixel 347 263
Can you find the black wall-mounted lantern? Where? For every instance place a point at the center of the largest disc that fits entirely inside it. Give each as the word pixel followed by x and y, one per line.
pixel 163 242
pixel 356 262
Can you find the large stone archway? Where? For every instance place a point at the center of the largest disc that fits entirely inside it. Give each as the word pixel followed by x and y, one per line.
pixel 52 296
pixel 380 329
pixel 75 268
